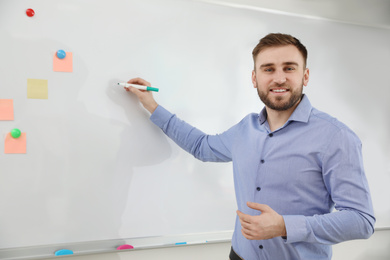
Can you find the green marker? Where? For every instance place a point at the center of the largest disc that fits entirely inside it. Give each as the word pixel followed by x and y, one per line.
pixel 138 87
pixel 15 133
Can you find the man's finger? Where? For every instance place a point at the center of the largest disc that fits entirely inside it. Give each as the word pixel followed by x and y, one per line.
pixel 247 235
pixel 243 217
pixel 245 225
pixel 139 81
pixel 136 91
pixel 260 207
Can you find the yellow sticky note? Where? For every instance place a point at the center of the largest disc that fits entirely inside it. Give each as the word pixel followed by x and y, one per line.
pixel 6 109
pixel 15 145
pixel 37 88
pixel 63 65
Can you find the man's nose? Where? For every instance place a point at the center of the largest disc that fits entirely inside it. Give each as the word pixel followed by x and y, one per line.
pixel 280 77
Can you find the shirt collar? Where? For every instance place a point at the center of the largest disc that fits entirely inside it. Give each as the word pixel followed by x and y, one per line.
pixel 301 113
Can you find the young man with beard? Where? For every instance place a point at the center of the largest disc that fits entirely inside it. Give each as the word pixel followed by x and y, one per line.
pixel 292 163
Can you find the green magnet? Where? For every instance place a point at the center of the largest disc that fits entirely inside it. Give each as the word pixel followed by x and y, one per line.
pixel 15 133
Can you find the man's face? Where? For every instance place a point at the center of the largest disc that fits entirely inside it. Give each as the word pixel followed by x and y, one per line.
pixel 279 77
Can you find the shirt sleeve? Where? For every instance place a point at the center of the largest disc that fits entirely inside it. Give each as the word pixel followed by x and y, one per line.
pixel 345 180
pixel 213 148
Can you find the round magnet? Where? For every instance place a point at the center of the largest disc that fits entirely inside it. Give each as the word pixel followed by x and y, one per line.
pixel 15 133
pixel 63 252
pixel 123 247
pixel 30 12
pixel 61 54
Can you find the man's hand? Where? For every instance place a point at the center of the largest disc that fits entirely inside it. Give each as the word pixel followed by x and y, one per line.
pixel 268 224
pixel 145 97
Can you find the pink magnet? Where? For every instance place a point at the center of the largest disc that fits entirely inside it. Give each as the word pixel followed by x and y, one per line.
pixel 122 247
pixel 30 12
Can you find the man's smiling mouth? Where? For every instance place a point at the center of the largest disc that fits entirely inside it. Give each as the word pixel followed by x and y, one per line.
pixel 280 90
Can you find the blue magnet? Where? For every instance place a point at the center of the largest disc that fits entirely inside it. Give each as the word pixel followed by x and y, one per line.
pixel 61 54
pixel 64 252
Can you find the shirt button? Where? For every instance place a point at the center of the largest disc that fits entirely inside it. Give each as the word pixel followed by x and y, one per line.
pixel 271 134
pixel 258 188
pixel 262 161
pixel 261 246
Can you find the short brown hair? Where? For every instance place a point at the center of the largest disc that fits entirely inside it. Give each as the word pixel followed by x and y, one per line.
pixel 279 39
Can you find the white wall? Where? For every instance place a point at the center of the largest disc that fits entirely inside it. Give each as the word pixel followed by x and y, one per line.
pixel 372 13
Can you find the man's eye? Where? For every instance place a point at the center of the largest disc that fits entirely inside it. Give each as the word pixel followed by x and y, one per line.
pixel 268 70
pixel 290 69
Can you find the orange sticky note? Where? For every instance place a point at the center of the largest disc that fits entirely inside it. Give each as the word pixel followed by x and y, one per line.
pixel 63 65
pixel 6 109
pixel 15 145
pixel 37 88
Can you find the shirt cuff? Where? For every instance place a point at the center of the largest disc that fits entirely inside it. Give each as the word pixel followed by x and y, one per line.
pixel 296 228
pixel 160 116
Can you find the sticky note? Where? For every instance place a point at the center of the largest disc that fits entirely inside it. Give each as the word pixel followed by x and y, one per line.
pixel 15 145
pixel 6 109
pixel 37 88
pixel 63 65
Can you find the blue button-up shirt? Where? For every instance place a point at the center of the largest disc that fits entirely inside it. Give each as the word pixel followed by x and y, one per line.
pixel 303 170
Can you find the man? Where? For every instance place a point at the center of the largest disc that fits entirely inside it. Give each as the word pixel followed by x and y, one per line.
pixel 292 164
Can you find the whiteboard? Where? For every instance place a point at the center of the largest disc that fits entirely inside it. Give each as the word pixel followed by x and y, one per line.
pixel 96 168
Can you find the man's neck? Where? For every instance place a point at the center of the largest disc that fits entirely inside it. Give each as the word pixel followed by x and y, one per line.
pixel 276 119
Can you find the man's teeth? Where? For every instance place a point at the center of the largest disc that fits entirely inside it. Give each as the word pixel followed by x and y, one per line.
pixel 279 90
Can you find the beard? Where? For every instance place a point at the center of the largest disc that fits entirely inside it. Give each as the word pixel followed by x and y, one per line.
pixel 280 104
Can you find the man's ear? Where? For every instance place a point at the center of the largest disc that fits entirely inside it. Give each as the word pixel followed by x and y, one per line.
pixel 254 79
pixel 306 77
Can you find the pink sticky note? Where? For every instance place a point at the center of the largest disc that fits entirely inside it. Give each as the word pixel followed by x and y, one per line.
pixel 15 145
pixel 6 109
pixel 122 247
pixel 63 65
